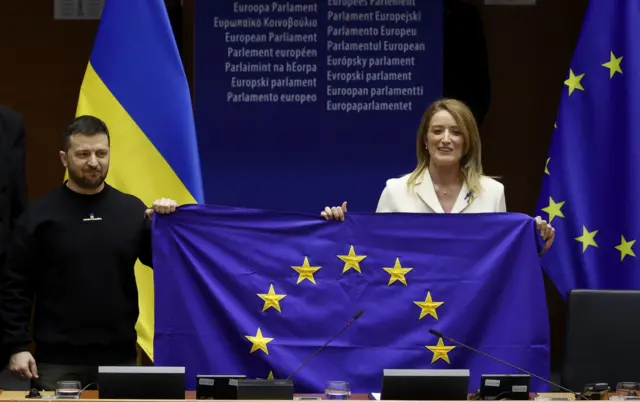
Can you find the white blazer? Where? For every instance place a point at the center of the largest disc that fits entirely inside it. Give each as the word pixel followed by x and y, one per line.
pixel 397 197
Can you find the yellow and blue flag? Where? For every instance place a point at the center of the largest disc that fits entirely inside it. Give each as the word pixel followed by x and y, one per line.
pixel 136 83
pixel 591 179
pixel 256 292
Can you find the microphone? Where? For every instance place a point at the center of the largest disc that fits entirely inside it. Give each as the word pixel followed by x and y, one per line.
pixel 355 317
pixel 440 335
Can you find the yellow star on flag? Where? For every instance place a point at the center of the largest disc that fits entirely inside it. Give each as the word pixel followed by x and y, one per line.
pixel 587 239
pixel 573 82
pixel 306 271
pixel 546 166
pixel 625 248
pixel 440 351
pixel 352 260
pixel 397 272
pixel 554 209
pixel 259 342
pixel 269 377
pixel 271 299
pixel 613 65
pixel 428 307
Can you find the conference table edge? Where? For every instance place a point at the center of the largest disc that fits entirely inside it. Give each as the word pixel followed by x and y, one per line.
pixel 190 395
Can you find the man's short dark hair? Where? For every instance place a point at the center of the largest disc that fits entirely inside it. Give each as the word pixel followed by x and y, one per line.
pixel 87 125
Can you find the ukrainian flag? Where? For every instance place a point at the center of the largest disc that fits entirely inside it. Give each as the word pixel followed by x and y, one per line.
pixel 136 83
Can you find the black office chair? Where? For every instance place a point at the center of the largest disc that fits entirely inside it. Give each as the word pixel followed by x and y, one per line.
pixel 602 339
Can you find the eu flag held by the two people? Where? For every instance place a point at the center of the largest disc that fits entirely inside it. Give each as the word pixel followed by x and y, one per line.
pixel 591 181
pixel 136 84
pixel 254 292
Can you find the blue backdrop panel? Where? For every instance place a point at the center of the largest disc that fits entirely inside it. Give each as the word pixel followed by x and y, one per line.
pixel 305 103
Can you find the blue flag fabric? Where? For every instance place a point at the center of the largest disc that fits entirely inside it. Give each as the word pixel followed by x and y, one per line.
pixel 591 181
pixel 254 292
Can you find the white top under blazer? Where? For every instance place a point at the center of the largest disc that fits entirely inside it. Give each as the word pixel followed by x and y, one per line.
pixel 398 197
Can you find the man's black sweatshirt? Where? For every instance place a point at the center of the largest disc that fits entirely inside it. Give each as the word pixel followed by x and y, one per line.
pixel 73 255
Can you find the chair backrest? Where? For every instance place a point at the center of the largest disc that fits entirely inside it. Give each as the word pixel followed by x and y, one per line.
pixel 602 339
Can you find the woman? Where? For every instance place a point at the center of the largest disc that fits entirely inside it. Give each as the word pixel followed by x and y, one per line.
pixel 448 177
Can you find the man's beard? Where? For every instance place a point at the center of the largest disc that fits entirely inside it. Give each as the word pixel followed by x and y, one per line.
pixel 88 183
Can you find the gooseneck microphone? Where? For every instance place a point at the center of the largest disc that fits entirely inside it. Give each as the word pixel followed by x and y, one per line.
pixel 355 317
pixel 440 335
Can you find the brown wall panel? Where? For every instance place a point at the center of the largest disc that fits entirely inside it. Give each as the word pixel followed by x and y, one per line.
pixel 530 48
pixel 43 62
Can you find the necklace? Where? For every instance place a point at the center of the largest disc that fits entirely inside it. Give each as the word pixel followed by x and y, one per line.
pixel 437 186
pixel 444 191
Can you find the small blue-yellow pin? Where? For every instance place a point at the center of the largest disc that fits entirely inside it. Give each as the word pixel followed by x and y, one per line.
pixel 470 197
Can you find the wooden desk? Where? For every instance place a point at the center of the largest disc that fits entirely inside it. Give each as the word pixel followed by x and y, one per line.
pixel 192 395
pixel 92 396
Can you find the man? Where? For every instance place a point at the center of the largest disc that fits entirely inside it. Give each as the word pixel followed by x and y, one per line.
pixel 74 253
pixel 13 187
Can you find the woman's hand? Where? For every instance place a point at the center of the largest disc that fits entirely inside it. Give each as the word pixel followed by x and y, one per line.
pixel 334 213
pixel 547 232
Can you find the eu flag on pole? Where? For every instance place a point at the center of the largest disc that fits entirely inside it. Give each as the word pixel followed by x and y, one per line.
pixel 253 292
pixel 135 82
pixel 591 179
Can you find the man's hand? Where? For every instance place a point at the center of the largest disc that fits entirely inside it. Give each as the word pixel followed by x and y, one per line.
pixel 161 206
pixel 23 366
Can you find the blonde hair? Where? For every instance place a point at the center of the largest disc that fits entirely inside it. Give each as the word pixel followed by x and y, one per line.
pixel 471 161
